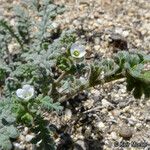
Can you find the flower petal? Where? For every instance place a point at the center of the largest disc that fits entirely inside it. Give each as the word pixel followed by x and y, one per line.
pixel 19 93
pixel 82 53
pixel 30 91
pixel 26 92
pixel 26 86
pixel 77 48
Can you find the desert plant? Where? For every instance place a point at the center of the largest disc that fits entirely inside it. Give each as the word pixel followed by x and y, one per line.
pixel 7 129
pixel 49 67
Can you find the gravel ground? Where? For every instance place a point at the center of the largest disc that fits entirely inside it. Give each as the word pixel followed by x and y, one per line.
pixel 106 118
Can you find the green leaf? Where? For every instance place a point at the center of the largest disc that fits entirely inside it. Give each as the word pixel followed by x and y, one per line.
pixel 27 118
pixel 47 103
pixel 138 91
pixel 109 67
pixel 145 77
pixel 5 143
pixel 147 58
pixel 130 83
pixel 4 24
pixel 7 128
pixel 94 75
pixel 42 139
pixel 13 133
pixel 139 83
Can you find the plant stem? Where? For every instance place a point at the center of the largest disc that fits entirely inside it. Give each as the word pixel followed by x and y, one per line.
pixel 106 79
pixel 67 97
pixel 60 78
pixel 11 31
pixel 9 55
pixel 53 92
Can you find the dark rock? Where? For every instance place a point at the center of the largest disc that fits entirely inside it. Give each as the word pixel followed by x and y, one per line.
pixel 66 142
pixel 118 42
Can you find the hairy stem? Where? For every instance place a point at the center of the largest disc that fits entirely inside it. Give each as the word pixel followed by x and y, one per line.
pixel 11 31
pixel 8 54
pixel 67 97
pixel 106 79
pixel 61 77
pixel 53 92
pixel 111 78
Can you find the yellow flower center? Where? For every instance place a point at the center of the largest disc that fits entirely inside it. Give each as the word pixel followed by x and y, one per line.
pixel 76 53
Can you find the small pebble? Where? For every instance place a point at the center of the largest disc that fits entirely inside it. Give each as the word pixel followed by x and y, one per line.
pixel 125 33
pixel 29 137
pixel 97 47
pixel 68 114
pixel 106 104
pixel 100 125
pixel 114 135
pixel 18 146
pixel 125 132
pixel 80 145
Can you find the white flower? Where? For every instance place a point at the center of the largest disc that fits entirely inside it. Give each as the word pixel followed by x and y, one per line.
pixel 26 92
pixel 77 50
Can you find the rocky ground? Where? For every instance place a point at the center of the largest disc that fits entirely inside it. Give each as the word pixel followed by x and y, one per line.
pixel 107 117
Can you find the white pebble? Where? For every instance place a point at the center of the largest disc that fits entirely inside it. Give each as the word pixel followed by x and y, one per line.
pixel 114 135
pixel 68 114
pixel 100 125
pixel 29 137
